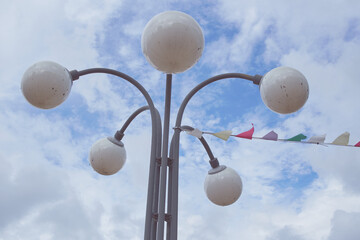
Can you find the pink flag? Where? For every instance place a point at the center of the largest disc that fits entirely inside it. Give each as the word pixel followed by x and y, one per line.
pixel 271 136
pixel 247 134
pixel 357 145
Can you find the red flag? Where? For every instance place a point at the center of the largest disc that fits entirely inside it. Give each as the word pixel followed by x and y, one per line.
pixel 247 134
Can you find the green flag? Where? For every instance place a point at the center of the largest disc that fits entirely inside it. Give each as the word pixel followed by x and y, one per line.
pixel 297 138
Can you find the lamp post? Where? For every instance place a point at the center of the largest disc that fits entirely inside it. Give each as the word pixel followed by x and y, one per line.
pixel 172 42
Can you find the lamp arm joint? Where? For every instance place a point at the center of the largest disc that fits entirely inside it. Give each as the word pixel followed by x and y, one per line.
pixel 169 162
pixel 256 79
pixel 74 75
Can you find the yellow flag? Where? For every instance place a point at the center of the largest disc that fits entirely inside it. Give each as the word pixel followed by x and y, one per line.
pixel 224 135
pixel 343 139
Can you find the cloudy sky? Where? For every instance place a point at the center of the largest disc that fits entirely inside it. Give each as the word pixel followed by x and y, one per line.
pixel 291 190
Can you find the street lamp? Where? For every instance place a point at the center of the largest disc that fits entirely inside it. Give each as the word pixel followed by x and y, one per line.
pixel 107 156
pixel 172 42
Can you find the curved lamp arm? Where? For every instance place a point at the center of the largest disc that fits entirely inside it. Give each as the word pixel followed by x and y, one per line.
pixel 214 162
pixel 155 118
pixel 120 133
pixel 176 141
pixel 255 79
pixel 176 137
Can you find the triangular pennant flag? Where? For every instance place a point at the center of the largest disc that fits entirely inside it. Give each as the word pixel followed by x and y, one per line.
pixel 297 138
pixel 271 136
pixel 196 133
pixel 224 135
pixel 357 145
pixel 248 134
pixel 343 139
pixel 317 139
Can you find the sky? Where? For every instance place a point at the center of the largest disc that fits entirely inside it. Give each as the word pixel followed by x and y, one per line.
pixel 290 190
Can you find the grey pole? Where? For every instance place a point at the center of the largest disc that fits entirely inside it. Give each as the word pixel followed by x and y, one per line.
pixel 156 170
pixel 164 159
pixel 170 189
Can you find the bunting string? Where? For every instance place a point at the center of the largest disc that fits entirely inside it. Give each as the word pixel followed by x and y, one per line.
pixel 342 140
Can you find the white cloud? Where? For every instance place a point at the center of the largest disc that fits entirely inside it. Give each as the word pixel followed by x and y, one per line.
pixel 286 233
pixel 290 190
pixel 345 225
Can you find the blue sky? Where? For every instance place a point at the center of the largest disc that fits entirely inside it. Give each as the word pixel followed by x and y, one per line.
pixel 291 191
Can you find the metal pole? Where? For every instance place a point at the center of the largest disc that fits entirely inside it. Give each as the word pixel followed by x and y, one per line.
pixel 155 208
pixel 155 201
pixel 164 160
pixel 170 187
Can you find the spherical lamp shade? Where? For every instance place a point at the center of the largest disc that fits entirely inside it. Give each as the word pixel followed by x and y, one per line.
pixel 172 42
pixel 107 156
pixel 46 84
pixel 223 188
pixel 284 90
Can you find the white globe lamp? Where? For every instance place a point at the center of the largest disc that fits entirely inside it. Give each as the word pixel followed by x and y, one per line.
pixel 107 156
pixel 223 186
pixel 46 84
pixel 172 42
pixel 284 90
